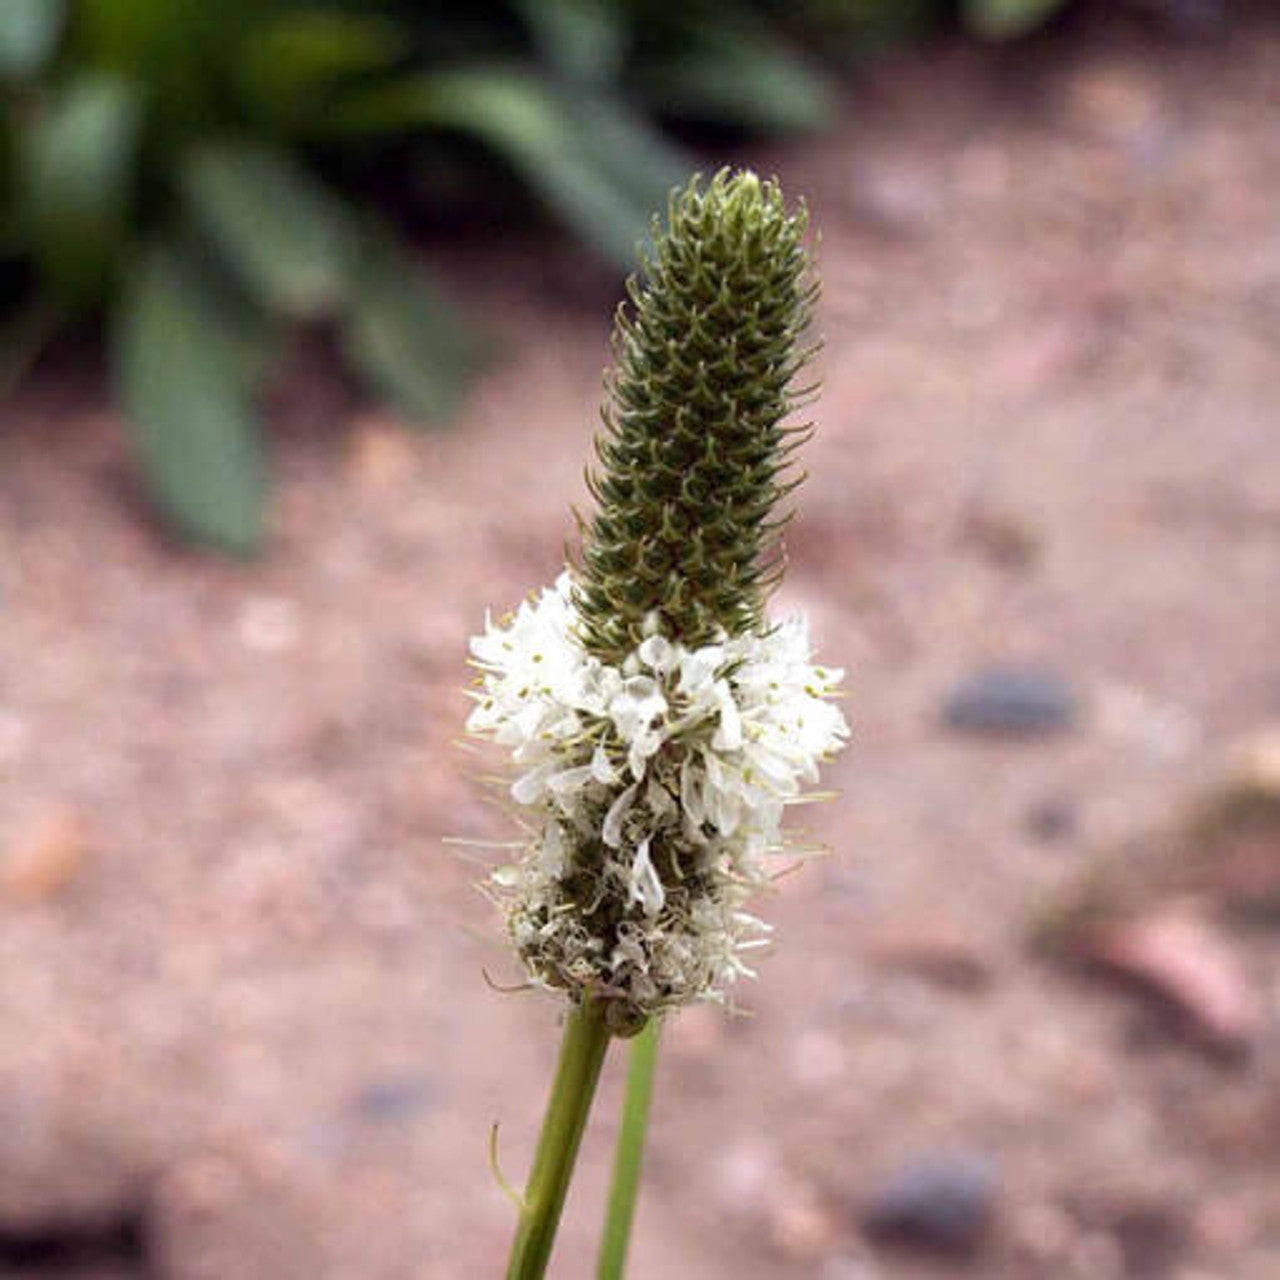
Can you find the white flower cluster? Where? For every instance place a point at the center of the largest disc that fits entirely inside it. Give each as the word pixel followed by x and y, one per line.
pixel 656 791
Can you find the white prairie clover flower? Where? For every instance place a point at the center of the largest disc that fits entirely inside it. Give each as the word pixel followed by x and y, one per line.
pixel 657 722
pixel 664 781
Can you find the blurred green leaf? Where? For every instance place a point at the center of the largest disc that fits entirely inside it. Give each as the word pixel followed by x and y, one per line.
pixel 1005 19
pixel 731 73
pixel 296 58
pixel 292 242
pixel 247 334
pixel 581 39
pixel 634 155
pixel 186 399
pixel 604 182
pixel 128 115
pixel 404 339
pixel 177 51
pixel 29 30
pixel 74 183
pixel 845 32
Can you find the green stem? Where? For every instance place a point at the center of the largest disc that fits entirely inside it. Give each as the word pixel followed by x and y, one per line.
pixel 586 1037
pixel 630 1153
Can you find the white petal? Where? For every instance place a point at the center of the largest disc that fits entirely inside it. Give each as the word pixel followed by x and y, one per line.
pixel 657 654
pixel 728 736
pixel 570 779
pixel 529 788
pixel 601 770
pixel 552 849
pixel 698 668
pixel 611 831
pixel 646 886
pixel 691 790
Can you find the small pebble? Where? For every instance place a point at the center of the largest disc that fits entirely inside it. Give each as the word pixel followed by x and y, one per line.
pixel 746 1175
pixel 269 624
pixel 799 1227
pixel 380 453
pixel 1162 731
pixel 1257 763
pixel 392 1099
pixel 1183 957
pixel 43 859
pixel 931 947
pixel 1011 702
pixel 1052 820
pixel 943 1201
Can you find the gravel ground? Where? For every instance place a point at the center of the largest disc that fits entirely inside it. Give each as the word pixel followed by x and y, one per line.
pixel 244 1031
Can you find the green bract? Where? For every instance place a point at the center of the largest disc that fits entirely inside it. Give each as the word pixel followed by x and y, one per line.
pixel 695 448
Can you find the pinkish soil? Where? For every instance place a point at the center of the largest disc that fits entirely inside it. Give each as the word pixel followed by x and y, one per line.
pixel 247 1000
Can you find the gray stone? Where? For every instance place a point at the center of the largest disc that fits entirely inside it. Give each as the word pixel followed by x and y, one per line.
pixel 1052 820
pixel 941 1201
pixel 393 1099
pixel 1011 702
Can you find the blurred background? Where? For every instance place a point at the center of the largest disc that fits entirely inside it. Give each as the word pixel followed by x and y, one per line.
pixel 303 310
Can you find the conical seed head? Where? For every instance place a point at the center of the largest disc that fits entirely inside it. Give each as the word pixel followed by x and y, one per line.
pixel 693 454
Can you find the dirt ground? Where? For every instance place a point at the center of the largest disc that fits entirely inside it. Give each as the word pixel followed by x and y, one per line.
pixel 244 1031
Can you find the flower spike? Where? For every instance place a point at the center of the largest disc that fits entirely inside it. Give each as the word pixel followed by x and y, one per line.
pixel 658 723
pixel 694 448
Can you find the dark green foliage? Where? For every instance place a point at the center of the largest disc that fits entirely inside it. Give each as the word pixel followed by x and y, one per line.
pixel 591 160
pixel 1003 19
pixel 695 444
pixel 74 167
pixel 246 128
pixel 185 383
pixel 402 337
pixel 28 31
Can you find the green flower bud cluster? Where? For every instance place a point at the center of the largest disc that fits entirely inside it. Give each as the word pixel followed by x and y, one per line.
pixel 694 452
